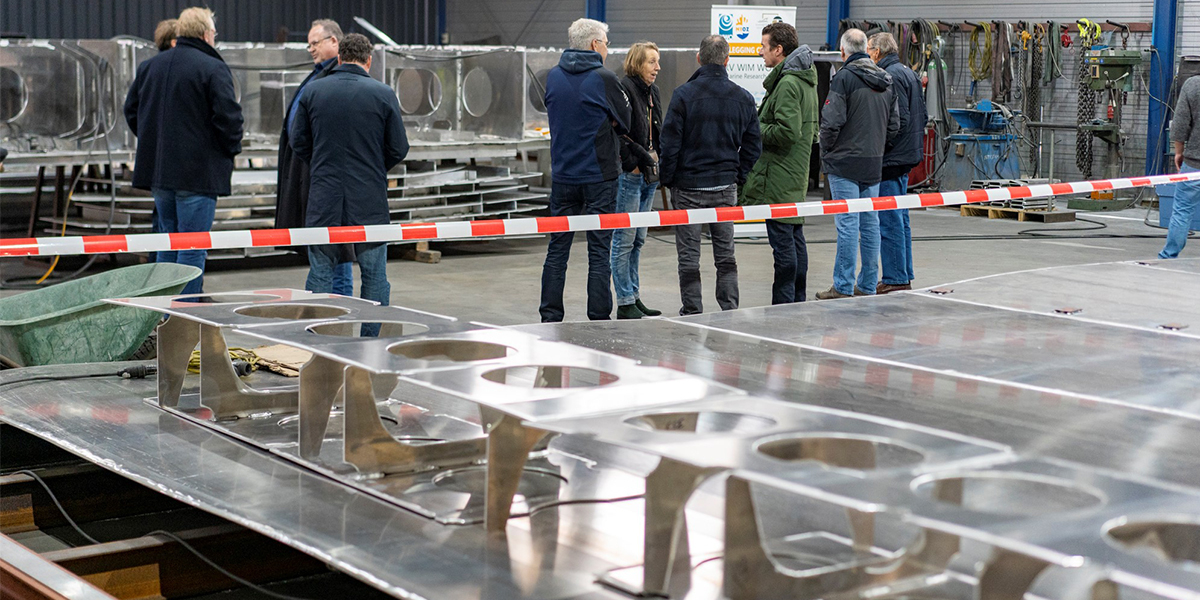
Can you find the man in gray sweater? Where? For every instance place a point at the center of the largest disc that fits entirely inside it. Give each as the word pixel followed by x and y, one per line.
pixel 1185 133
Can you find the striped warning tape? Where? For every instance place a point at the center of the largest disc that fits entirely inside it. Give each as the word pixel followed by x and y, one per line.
pixel 259 238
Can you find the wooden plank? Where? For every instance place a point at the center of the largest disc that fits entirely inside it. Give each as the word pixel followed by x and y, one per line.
pixel 421 253
pixel 151 565
pixel 1001 212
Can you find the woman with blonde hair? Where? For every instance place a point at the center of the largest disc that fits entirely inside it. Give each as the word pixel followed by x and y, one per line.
pixel 639 175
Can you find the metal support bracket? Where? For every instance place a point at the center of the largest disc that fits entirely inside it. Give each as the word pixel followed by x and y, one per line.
pixel 223 392
pixel 509 443
pixel 372 450
pixel 750 572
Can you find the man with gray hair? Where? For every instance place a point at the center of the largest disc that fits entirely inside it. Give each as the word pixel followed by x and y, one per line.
pixel 588 113
pixel 710 141
pixel 859 122
pixel 184 112
pixel 292 183
pixel 906 152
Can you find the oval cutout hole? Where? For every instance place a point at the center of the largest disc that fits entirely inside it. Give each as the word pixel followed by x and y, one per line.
pixel 700 422
pixel 846 452
pixel 550 376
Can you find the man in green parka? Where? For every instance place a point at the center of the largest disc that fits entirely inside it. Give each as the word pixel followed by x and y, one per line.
pixel 788 119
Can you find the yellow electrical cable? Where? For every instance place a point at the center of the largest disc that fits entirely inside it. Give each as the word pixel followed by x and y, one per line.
pixel 234 354
pixel 63 233
pixel 984 70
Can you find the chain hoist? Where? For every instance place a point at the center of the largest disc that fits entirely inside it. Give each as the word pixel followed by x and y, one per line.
pixel 1089 34
pixel 1033 97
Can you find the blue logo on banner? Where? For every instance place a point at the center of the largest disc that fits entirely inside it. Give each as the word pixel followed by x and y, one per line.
pixel 725 25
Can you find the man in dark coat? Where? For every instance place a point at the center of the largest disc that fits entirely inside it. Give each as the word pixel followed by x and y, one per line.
pixel 291 191
pixel 858 123
pixel 588 111
pixel 348 128
pixel 710 141
pixel 895 234
pixel 182 109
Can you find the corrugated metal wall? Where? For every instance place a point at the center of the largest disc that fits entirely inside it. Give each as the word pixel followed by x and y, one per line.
pixel 1061 101
pixel 406 21
pixel 668 23
pixel 531 23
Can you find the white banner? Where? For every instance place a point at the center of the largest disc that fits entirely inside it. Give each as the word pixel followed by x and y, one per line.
pixel 742 27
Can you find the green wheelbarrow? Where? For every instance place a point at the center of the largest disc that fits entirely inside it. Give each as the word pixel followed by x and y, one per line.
pixel 70 322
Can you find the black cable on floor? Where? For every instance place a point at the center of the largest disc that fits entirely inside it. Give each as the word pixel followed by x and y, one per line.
pixel 166 534
pixel 249 584
pixel 61 510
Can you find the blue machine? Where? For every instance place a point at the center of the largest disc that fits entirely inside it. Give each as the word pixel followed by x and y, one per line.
pixel 982 149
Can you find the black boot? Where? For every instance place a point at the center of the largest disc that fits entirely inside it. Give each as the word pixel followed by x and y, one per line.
pixel 649 312
pixel 629 311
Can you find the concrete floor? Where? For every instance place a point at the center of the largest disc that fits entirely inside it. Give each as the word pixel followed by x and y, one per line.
pixel 498 282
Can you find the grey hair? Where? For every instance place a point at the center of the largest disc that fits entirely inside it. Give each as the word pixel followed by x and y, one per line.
pixel 854 41
pixel 885 43
pixel 583 32
pixel 713 50
pixel 331 27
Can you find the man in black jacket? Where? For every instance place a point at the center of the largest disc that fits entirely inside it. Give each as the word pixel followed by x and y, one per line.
pixel 182 109
pixel 710 141
pixel 291 190
pixel 348 128
pixel 858 123
pixel 906 152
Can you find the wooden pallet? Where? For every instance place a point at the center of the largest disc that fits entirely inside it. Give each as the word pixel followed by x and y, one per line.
pixel 999 212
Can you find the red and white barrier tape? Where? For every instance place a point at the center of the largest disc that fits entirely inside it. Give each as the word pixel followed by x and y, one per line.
pixel 258 238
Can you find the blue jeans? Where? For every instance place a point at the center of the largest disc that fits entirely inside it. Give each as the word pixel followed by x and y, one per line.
pixel 180 211
pixel 372 268
pixel 895 236
pixel 582 199
pixel 1187 195
pixel 857 233
pixel 633 195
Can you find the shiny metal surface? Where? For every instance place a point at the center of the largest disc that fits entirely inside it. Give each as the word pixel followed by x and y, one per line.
pixel 551 554
pixel 976 442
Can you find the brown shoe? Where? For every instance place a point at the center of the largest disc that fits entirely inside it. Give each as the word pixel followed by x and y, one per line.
pixel 858 292
pixel 885 288
pixel 831 294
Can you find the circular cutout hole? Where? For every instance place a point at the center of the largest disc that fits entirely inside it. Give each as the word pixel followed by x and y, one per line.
pixel 291 311
pixel 701 422
pixel 1010 493
pixel 418 90
pixel 351 328
pixel 477 92
pixel 230 298
pixel 847 452
pixel 537 90
pixel 1171 541
pixel 550 376
pixel 450 350
pixel 13 96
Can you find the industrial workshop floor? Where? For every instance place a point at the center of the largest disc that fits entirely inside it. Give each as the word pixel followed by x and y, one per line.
pixel 498 282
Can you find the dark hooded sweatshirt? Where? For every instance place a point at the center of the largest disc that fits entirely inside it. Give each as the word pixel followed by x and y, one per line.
pixel 588 113
pixel 909 147
pixel 859 121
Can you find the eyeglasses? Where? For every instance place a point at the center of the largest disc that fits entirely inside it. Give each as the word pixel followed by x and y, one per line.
pixel 312 45
pixel 605 42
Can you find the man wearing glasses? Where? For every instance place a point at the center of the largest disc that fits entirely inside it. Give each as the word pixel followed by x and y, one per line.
pixel 588 113
pixel 183 110
pixel 291 191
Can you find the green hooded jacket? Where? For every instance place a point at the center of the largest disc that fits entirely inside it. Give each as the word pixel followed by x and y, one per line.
pixel 788 118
